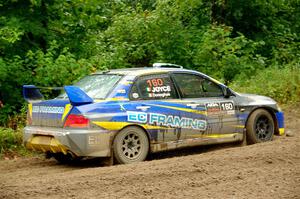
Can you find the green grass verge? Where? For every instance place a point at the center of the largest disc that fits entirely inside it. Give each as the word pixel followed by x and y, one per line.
pixel 11 144
pixel 281 84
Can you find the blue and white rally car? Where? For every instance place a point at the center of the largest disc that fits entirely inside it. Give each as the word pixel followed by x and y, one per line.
pixel 129 113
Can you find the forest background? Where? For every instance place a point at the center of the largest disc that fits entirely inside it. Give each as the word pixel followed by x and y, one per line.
pixel 250 45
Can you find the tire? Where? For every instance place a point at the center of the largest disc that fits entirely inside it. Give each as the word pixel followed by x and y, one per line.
pixel 130 145
pixel 260 127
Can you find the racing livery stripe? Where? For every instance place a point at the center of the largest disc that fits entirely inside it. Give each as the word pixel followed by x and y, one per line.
pixel 239 126
pixel 112 99
pixel 66 111
pixel 215 135
pixel 216 81
pixel 30 109
pixel 121 125
pixel 117 99
pixel 281 131
pixel 181 109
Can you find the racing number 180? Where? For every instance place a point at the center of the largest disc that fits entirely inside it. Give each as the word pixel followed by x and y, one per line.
pixel 227 106
pixel 155 82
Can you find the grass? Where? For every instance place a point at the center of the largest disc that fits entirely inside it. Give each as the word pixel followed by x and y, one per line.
pixel 11 144
pixel 281 84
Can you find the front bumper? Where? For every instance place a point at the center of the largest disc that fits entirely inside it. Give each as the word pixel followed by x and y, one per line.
pixel 81 142
pixel 280 121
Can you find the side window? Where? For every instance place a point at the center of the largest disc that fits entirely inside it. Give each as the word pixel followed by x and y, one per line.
pixel 153 87
pixel 194 86
pixel 211 89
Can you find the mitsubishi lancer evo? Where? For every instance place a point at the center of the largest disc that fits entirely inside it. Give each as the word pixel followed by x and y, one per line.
pixel 125 114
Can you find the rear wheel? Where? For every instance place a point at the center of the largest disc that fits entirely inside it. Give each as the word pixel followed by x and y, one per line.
pixel 131 145
pixel 260 127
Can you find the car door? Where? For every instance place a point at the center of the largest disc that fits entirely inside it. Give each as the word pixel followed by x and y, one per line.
pixel 151 99
pixel 206 98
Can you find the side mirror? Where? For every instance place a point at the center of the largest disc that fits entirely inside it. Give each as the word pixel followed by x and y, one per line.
pixel 227 92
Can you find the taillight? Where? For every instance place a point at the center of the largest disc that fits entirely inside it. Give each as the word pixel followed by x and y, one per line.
pixel 77 121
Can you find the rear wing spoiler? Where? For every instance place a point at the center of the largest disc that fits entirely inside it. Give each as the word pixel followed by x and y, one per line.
pixel 77 97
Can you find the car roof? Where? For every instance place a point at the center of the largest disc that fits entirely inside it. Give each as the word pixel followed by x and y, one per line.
pixel 142 71
pixel 157 68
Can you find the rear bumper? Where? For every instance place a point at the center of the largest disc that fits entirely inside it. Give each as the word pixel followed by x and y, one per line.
pixel 81 142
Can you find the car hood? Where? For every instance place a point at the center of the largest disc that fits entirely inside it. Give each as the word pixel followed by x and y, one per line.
pixel 258 100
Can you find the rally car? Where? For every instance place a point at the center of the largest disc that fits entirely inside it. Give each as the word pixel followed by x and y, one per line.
pixel 127 113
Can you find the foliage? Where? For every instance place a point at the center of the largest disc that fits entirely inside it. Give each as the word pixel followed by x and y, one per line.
pixel 53 43
pixel 280 83
pixel 9 139
pixel 138 37
pixel 228 56
pixel 43 69
pixel 11 144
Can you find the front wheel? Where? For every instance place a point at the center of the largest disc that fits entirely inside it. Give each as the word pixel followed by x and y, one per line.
pixel 260 127
pixel 131 145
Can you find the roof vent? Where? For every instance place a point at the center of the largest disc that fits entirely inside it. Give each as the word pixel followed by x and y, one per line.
pixel 166 65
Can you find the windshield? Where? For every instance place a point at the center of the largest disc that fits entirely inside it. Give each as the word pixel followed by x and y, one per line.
pixel 96 86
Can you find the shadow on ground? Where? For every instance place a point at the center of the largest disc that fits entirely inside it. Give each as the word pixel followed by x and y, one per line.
pixel 101 162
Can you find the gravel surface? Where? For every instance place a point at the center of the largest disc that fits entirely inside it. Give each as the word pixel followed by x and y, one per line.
pixel 267 170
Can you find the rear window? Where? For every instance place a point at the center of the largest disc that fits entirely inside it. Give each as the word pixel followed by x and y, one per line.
pixel 97 86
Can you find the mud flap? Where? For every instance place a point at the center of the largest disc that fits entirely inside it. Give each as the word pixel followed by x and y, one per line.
pixel 109 161
pixel 244 141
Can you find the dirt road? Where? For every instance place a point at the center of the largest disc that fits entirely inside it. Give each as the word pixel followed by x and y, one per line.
pixel 268 170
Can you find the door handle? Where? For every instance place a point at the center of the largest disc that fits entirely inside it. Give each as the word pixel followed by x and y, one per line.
pixel 143 108
pixel 193 105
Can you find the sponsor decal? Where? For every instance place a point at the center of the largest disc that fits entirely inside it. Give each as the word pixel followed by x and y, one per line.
pixel 213 108
pixel 122 91
pixel 139 117
pixel 216 108
pixel 48 109
pixel 166 120
pixel 135 95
